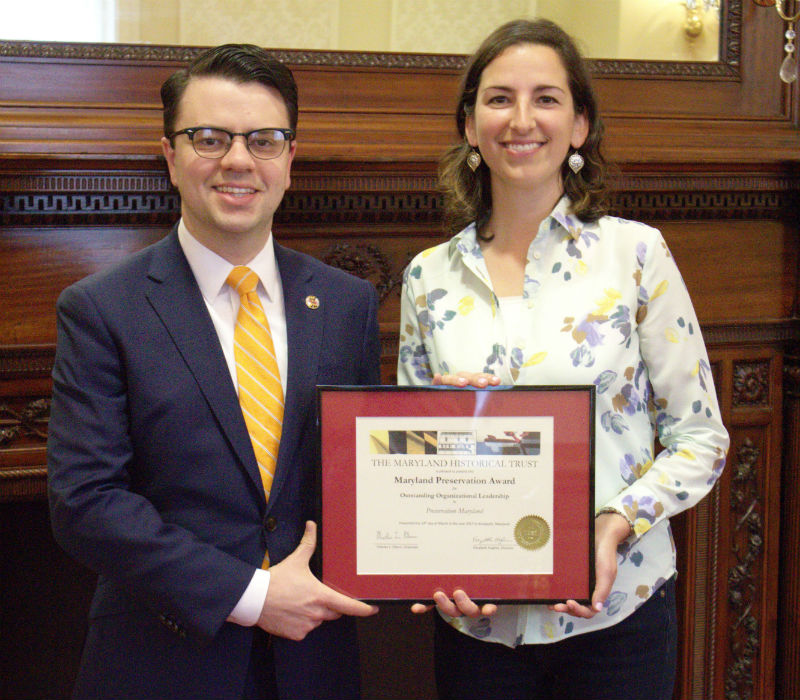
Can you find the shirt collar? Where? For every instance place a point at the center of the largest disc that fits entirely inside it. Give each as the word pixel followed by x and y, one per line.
pixel 563 217
pixel 211 270
pixel 466 241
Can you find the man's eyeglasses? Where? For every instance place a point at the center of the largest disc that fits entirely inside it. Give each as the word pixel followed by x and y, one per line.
pixel 215 143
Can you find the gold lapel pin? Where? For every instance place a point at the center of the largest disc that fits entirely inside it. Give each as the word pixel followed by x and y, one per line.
pixel 312 302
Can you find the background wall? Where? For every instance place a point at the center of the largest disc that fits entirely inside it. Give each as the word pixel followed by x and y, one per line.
pixel 632 29
pixel 708 152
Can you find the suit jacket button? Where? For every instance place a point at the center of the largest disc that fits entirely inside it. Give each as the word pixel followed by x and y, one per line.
pixel 270 524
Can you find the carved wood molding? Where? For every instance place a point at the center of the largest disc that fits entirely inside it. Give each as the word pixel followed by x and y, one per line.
pixel 788 651
pixel 751 384
pixel 366 261
pixel 370 194
pixel 764 332
pixel 25 484
pixel 184 54
pixel 743 576
pixel 25 361
pixel 28 423
pixel 713 574
pixel 726 67
pixel 791 375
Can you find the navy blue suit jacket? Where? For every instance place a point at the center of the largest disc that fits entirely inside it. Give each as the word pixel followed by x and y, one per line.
pixel 153 482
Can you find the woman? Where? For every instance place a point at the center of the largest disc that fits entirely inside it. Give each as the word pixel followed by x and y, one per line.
pixel 538 286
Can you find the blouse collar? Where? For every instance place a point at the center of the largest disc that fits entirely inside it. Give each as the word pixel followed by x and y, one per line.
pixel 466 241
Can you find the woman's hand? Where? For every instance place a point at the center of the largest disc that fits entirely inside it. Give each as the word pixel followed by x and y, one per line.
pixel 461 605
pixel 480 380
pixel 611 529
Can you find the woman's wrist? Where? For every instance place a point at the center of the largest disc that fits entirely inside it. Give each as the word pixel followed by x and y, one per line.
pixel 609 510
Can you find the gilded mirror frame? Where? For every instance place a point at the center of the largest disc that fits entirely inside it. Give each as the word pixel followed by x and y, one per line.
pixel 727 66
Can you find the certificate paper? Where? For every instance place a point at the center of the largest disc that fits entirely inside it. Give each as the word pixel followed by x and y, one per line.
pixel 454 490
pixel 426 489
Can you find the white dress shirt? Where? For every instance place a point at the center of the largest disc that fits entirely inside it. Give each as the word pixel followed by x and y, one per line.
pixel 211 272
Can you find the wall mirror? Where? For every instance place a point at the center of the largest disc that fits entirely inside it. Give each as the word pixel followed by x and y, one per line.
pixel 653 37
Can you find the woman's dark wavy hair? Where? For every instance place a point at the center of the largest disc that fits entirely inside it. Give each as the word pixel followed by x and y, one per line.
pixel 468 195
pixel 240 63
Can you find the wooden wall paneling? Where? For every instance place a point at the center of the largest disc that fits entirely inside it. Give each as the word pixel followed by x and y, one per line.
pixel 749 502
pixel 37 263
pixel 697 540
pixel 751 260
pixel 788 647
pixel 356 108
pixel 728 545
pixel 24 412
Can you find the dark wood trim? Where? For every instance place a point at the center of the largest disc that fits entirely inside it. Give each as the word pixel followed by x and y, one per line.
pixel 787 683
pixel 369 193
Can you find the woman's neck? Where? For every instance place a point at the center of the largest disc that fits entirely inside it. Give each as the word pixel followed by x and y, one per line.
pixel 514 223
pixel 516 217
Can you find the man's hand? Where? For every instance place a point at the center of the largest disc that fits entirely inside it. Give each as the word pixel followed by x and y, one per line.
pixel 297 602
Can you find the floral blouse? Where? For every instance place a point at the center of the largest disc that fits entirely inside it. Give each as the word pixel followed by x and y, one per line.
pixel 604 304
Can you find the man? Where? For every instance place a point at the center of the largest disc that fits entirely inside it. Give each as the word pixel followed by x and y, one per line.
pixel 157 480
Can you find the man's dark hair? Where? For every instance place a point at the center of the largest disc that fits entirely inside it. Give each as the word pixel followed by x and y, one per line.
pixel 241 63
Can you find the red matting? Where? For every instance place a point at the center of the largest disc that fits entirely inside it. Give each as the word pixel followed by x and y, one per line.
pixel 572 410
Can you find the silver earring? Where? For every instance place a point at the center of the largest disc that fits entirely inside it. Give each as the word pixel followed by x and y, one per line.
pixel 473 160
pixel 575 162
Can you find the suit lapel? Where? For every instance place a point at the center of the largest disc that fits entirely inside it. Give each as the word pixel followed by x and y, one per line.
pixel 176 298
pixel 304 326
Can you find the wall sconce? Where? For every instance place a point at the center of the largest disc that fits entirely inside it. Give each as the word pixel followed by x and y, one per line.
pixel 695 13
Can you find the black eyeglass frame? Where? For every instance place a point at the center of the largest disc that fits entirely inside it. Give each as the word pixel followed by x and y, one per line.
pixel 288 137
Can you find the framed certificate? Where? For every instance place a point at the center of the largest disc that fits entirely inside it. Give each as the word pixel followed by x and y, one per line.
pixel 436 488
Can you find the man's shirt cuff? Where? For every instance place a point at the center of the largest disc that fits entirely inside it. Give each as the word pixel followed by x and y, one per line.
pixel 250 605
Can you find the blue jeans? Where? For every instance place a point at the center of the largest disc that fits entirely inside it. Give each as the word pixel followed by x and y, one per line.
pixel 632 660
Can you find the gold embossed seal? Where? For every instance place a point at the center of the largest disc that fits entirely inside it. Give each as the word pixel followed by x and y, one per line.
pixel 532 532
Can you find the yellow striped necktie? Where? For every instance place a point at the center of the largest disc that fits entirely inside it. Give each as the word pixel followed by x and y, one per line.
pixel 260 390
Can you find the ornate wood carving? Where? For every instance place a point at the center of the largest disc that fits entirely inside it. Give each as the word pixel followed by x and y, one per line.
pixel 28 422
pixel 368 208
pixel 25 362
pixel 751 384
pixel 743 578
pixel 99 197
pixel 366 261
pixel 23 435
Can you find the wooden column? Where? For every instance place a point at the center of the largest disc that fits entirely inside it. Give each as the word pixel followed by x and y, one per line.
pixel 788 647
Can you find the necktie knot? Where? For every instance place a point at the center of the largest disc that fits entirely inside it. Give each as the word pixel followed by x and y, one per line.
pixel 243 280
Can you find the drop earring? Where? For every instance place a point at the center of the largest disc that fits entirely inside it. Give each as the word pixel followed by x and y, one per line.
pixel 473 160
pixel 575 162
